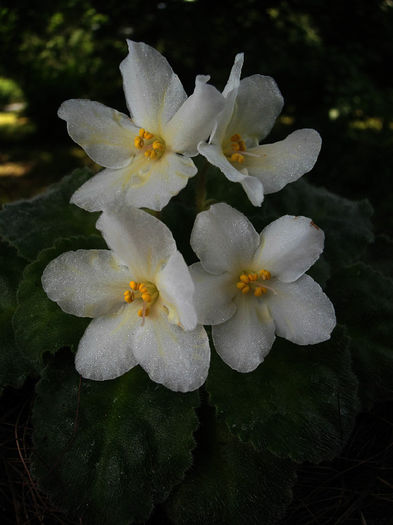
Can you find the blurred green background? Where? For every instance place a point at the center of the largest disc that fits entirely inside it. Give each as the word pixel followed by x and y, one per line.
pixel 332 61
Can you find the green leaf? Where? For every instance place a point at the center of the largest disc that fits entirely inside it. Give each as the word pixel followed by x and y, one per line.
pixel 14 368
pixel 300 403
pixel 363 301
pixel 35 224
pixel 109 450
pixel 40 325
pixel 231 483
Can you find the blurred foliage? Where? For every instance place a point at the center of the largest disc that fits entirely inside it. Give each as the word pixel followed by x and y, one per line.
pixel 9 92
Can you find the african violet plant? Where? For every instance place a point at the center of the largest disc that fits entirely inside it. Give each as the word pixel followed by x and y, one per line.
pixel 214 441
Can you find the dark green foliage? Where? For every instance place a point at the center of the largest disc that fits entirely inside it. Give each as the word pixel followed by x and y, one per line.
pixel 300 403
pixel 14 368
pixel 35 224
pixel 363 301
pixel 230 482
pixel 109 450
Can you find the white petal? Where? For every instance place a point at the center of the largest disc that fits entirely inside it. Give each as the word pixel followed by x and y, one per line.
pixel 194 121
pixel 244 341
pixel 224 239
pixel 141 241
pixel 106 135
pixel 234 76
pixel 302 312
pixel 107 188
pixel 289 246
pixel 157 182
pixel 251 185
pixel 171 356
pixel 176 292
pixel 282 162
pixel 213 295
pixel 258 104
pixel 153 92
pixel 86 283
pixel 105 350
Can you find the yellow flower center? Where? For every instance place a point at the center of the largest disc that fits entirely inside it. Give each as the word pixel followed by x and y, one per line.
pixel 252 282
pixel 152 147
pixel 145 291
pixel 233 150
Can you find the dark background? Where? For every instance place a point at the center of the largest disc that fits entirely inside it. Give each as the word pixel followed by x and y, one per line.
pixel 333 63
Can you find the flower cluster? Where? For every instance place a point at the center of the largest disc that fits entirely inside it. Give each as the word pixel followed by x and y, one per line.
pixel 147 306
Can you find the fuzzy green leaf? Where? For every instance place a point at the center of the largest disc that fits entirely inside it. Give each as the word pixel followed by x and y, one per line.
pixel 14 368
pixel 299 403
pixel 32 225
pixel 363 301
pixel 107 451
pixel 40 325
pixel 231 483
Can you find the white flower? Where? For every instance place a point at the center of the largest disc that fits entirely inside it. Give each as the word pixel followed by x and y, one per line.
pixel 251 107
pixel 140 296
pixel 252 286
pixel 143 156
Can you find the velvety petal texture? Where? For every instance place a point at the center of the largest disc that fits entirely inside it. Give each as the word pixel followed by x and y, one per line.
pixel 194 120
pixel 302 312
pixel 142 242
pixel 283 162
pixel 246 338
pixel 258 288
pixel 153 91
pixel 213 296
pixel 105 350
pixel 86 283
pixel 171 356
pixel 289 246
pixel 224 239
pixel 106 135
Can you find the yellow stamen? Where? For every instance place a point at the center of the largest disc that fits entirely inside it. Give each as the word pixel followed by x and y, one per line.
pixel 146 297
pixel 134 285
pixel 246 289
pixel 241 285
pixel 142 313
pixel 142 288
pixel 158 145
pixel 128 296
pixel 242 145
pixel 235 146
pixel 141 132
pixel 253 276
pixel 237 157
pixel 147 135
pixel 138 142
pixel 265 275
pixel 236 137
pixel 260 291
pixel 244 278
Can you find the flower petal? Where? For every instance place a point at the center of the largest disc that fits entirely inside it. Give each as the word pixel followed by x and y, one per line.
pixel 302 312
pixel 213 295
pixel 224 239
pixel 104 352
pixel 86 283
pixel 258 104
pixel 282 162
pixel 289 246
pixel 234 76
pixel 141 241
pixel 171 356
pixel 158 181
pixel 194 120
pixel 251 185
pixel 106 135
pixel 244 340
pixel 176 292
pixel 153 92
